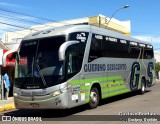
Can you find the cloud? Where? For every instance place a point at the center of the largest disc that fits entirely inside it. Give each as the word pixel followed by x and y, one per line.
pixel 148 38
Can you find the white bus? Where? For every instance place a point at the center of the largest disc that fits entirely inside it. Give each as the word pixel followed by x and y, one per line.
pixel 79 64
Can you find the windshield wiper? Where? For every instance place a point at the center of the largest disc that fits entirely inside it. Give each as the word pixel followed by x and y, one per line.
pixel 37 65
pixel 41 75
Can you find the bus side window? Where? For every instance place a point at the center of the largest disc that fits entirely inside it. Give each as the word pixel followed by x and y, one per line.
pixel 134 52
pixel 74 58
pixel 148 53
pixel 95 48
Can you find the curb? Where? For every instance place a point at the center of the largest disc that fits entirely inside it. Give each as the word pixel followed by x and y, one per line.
pixel 7 107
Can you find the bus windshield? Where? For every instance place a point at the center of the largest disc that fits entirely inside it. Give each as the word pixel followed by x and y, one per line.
pixel 38 64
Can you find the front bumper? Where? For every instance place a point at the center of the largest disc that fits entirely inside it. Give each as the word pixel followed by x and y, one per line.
pixel 42 102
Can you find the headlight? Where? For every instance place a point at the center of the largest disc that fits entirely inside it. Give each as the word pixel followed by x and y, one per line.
pixel 56 93
pixel 15 94
pixel 64 90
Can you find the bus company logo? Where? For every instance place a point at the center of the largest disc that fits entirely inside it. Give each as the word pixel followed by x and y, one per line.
pixel 104 67
pixel 81 36
pixel 38 93
pixel 26 93
pixel 33 93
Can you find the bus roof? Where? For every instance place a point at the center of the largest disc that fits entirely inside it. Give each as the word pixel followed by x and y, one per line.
pixel 79 28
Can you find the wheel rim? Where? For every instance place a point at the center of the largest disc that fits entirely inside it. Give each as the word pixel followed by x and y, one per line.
pixel 94 97
pixel 143 87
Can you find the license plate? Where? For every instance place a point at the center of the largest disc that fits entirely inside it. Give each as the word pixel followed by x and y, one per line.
pixel 35 105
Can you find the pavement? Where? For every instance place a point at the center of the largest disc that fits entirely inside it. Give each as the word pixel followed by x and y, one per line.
pixel 6 105
pixel 158 80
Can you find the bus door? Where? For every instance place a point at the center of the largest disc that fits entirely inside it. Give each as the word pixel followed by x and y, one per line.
pixel 74 57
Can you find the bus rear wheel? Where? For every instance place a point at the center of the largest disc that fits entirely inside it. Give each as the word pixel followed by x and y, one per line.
pixel 143 87
pixel 94 98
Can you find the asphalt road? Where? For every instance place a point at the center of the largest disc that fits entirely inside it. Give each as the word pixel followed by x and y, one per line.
pixel 132 103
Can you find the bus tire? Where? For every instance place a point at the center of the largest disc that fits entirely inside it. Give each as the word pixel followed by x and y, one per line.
pixel 94 98
pixel 143 87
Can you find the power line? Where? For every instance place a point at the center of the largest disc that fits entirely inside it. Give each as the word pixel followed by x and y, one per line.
pixel 22 27
pixel 36 17
pixel 25 20
pixel 10 31
pixel 19 19
pixel 5 10
pixel 46 19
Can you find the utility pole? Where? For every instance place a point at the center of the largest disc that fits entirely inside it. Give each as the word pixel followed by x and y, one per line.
pixel 126 6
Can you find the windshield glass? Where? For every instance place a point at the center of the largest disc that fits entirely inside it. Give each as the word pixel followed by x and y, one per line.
pixel 38 62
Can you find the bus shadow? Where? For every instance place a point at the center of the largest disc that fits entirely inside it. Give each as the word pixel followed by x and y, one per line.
pixel 51 114
pixel 121 97
pixel 46 113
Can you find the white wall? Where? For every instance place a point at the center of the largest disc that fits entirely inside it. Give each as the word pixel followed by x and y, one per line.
pixel 1 55
pixel 157 57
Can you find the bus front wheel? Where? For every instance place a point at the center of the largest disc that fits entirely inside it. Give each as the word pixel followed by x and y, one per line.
pixel 94 98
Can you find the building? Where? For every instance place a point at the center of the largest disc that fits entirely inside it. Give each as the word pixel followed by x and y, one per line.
pixel 157 57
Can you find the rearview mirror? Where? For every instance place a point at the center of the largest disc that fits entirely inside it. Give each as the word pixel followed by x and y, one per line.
pixel 63 48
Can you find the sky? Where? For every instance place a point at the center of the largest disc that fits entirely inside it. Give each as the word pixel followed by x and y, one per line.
pixel 143 14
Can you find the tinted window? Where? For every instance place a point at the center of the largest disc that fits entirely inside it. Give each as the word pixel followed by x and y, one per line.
pixel 105 46
pixel 95 48
pixel 110 47
pixel 123 49
pixel 38 62
pixel 134 50
pixel 148 53
pixel 74 59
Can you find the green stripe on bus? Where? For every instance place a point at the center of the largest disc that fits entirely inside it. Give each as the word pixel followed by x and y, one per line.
pixel 90 80
pixel 87 94
pixel 114 88
pixel 112 78
pixel 85 87
pixel 87 100
pixel 115 93
pixel 116 82
pixel 103 85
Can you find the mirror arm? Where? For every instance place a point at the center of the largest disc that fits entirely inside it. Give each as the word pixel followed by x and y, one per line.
pixel 63 48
